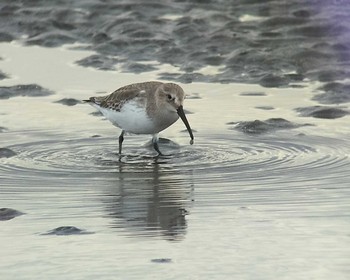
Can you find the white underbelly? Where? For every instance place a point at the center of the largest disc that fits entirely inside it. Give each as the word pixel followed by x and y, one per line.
pixel 131 118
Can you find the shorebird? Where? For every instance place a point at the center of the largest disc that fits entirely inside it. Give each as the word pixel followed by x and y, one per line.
pixel 143 108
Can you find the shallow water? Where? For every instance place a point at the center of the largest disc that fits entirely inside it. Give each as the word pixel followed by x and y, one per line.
pixel 262 194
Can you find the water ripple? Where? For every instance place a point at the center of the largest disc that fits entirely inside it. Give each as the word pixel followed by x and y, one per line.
pixel 231 159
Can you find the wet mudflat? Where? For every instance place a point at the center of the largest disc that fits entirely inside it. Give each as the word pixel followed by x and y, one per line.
pixel 262 194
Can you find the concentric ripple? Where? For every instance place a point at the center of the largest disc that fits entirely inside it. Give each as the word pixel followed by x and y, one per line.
pixel 252 158
pixel 219 158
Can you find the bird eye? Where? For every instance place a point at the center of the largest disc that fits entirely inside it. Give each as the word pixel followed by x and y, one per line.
pixel 169 96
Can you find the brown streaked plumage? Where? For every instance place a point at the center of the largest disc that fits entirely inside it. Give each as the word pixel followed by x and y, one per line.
pixel 143 108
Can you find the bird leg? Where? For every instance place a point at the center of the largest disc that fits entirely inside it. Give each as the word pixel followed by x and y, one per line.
pixel 121 139
pixel 155 144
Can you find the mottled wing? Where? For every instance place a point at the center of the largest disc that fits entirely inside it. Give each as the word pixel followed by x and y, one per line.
pixel 116 99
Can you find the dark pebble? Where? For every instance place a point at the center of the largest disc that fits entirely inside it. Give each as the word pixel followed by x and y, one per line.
pixel 271 80
pixel 310 59
pixel 3 76
pixel 192 77
pixel 294 77
pixel 67 230
pixel 162 260
pixel 96 114
pixel 322 112
pixel 8 214
pixel 100 62
pixel 68 101
pixel 6 37
pixel 335 87
pixel 334 93
pixel 31 90
pixel 172 55
pixel 62 25
pixel 265 107
pixel 137 67
pixel 169 76
pixel 260 127
pixel 253 94
pixel 100 37
pixel 6 153
pixel 331 75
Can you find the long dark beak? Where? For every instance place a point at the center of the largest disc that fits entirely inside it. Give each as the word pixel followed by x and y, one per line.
pixel 181 113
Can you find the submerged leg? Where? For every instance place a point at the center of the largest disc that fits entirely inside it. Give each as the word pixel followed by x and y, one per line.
pixel 121 139
pixel 155 144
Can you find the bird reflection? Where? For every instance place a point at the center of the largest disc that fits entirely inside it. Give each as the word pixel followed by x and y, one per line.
pixel 150 198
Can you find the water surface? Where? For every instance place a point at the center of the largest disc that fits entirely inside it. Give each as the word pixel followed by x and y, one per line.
pixel 262 194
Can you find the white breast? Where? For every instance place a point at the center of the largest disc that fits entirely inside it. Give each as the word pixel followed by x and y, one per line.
pixel 132 118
